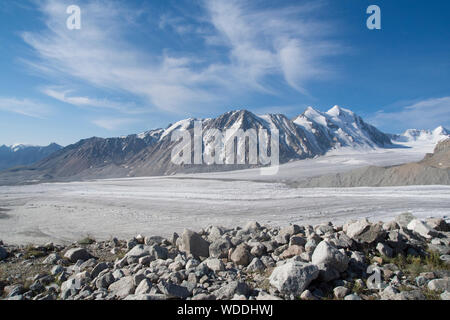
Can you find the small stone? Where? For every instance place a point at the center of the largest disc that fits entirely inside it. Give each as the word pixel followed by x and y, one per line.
pixel 252 226
pixel 404 219
pixel 144 287
pixel 307 295
pixel 215 264
pixel 445 295
pixel 52 259
pixel 438 224
pixel 297 240
pixel 76 254
pixel 352 297
pixel 57 270
pixel 439 284
pixel 173 290
pixel 104 280
pixel 98 268
pixel 219 248
pixel 123 287
pixel 258 249
pixel 241 255
pixel 227 291
pixel 385 250
pixel 293 250
pixel 341 292
pixel 256 265
pixel 421 281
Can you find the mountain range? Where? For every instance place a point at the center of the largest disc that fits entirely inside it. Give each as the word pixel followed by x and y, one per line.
pixel 23 155
pixel 311 134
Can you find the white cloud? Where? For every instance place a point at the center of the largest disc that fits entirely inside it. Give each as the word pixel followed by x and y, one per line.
pixel 425 114
pixel 24 107
pixel 256 43
pixel 112 124
pixel 80 101
pixel 282 41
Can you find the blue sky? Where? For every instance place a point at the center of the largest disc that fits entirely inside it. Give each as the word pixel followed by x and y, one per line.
pixel 137 65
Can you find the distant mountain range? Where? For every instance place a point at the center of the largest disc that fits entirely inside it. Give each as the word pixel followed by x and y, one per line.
pixel 311 134
pixel 414 135
pixel 23 155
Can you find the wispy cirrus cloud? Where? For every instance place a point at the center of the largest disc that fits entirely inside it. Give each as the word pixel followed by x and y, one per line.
pixel 112 124
pixel 24 107
pixel 424 114
pixel 244 49
pixel 88 102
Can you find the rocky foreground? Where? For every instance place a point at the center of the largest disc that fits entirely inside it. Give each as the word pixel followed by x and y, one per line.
pixel 405 259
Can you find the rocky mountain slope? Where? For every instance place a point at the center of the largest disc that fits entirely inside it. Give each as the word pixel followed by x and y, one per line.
pixel 23 155
pixel 434 169
pixel 404 259
pixel 311 134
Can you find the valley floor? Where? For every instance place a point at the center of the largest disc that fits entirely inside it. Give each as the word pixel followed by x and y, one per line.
pixel 159 206
pixel 64 212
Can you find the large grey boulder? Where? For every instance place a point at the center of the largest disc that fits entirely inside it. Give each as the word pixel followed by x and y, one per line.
pixel 219 248
pixel 422 228
pixel 76 254
pixel 293 277
pixel 193 243
pixel 325 253
pixel 365 232
pixel 438 224
pixel 123 287
pixel 354 229
pixel 404 219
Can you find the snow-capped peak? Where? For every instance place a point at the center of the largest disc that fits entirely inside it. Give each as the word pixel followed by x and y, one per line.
pixel 415 135
pixel 440 131
pixel 20 146
pixel 339 127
